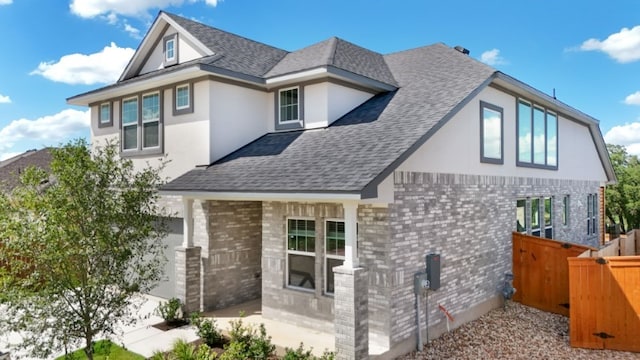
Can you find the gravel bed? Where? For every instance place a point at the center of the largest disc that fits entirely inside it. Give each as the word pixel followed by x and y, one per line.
pixel 515 332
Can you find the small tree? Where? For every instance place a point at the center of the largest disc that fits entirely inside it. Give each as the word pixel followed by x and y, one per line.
pixel 79 248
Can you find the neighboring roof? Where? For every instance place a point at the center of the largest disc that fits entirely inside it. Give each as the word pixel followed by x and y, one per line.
pixel 12 168
pixel 356 152
pixel 340 54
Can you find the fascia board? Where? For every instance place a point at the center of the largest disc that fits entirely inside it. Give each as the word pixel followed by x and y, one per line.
pixel 266 196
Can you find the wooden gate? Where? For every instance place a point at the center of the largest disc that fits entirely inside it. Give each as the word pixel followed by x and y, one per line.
pixel 541 272
pixel 605 303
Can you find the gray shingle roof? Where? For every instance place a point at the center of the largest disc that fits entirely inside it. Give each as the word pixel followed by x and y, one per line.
pixel 363 146
pixel 12 168
pixel 339 53
pixel 237 53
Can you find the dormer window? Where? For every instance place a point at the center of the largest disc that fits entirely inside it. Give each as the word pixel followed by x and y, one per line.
pixel 289 108
pixel 171 49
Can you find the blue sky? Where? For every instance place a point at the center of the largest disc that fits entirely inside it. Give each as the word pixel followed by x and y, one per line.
pixel 56 49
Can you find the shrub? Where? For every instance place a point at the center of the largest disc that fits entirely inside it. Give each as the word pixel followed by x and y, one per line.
pixel 184 351
pixel 301 354
pixel 171 311
pixel 207 330
pixel 248 343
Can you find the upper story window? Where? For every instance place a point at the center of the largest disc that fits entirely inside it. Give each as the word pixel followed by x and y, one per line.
pixel 183 101
pixel 537 144
pixel 491 133
pixel 105 115
pixel 150 120
pixel 130 123
pixel 301 253
pixel 334 251
pixel 142 124
pixel 171 49
pixel 289 109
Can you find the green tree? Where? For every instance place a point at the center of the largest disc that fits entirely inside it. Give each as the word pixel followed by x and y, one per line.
pixel 623 199
pixel 80 248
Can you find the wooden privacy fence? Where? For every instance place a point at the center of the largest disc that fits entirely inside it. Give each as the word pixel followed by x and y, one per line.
pixel 605 303
pixel 541 272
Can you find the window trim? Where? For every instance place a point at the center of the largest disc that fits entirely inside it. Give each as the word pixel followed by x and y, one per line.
pixel 545 111
pixel 143 121
pixel 326 256
pixel 109 122
pixel 301 253
pixel 140 150
pixel 289 124
pixel 123 125
pixel 167 39
pixel 483 158
pixel 185 109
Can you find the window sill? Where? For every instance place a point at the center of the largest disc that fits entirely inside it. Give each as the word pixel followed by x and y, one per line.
pixel 536 166
pixel 300 289
pixel 137 153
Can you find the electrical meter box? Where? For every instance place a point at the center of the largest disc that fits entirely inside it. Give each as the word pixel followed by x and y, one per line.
pixel 433 270
pixel 420 282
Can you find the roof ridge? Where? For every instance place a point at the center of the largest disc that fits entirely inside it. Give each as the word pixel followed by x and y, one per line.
pixel 224 31
pixel 333 49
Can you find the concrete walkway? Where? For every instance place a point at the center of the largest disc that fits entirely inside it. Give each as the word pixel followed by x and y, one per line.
pixel 144 339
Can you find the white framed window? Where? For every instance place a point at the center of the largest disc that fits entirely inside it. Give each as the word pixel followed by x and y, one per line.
pixel 171 49
pixel 334 250
pixel 150 120
pixel 301 253
pixel 130 123
pixel 491 133
pixel 105 118
pixel 288 105
pixel 183 99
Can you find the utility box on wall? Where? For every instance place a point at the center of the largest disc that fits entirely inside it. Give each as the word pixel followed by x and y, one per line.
pixel 433 270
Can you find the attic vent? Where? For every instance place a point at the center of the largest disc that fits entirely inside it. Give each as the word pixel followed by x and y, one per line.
pixel 462 50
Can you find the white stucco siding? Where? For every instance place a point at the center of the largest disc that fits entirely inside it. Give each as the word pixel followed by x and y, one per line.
pixel 187 51
pixel 316 105
pixel 238 116
pixel 455 148
pixel 343 99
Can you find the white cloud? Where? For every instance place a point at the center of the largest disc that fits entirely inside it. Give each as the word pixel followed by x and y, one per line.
pixel 135 33
pixel 101 67
pixel 633 99
pixel 492 57
pixel 47 130
pixel 623 46
pixel 6 2
pixel 93 8
pixel 627 135
pixel 5 99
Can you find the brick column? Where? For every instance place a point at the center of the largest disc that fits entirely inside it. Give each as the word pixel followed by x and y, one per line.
pixel 188 277
pixel 351 313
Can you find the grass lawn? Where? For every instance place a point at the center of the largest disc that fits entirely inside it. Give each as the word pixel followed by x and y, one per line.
pixel 104 349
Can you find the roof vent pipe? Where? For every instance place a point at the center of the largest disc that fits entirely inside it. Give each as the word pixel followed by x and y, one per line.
pixel 462 50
